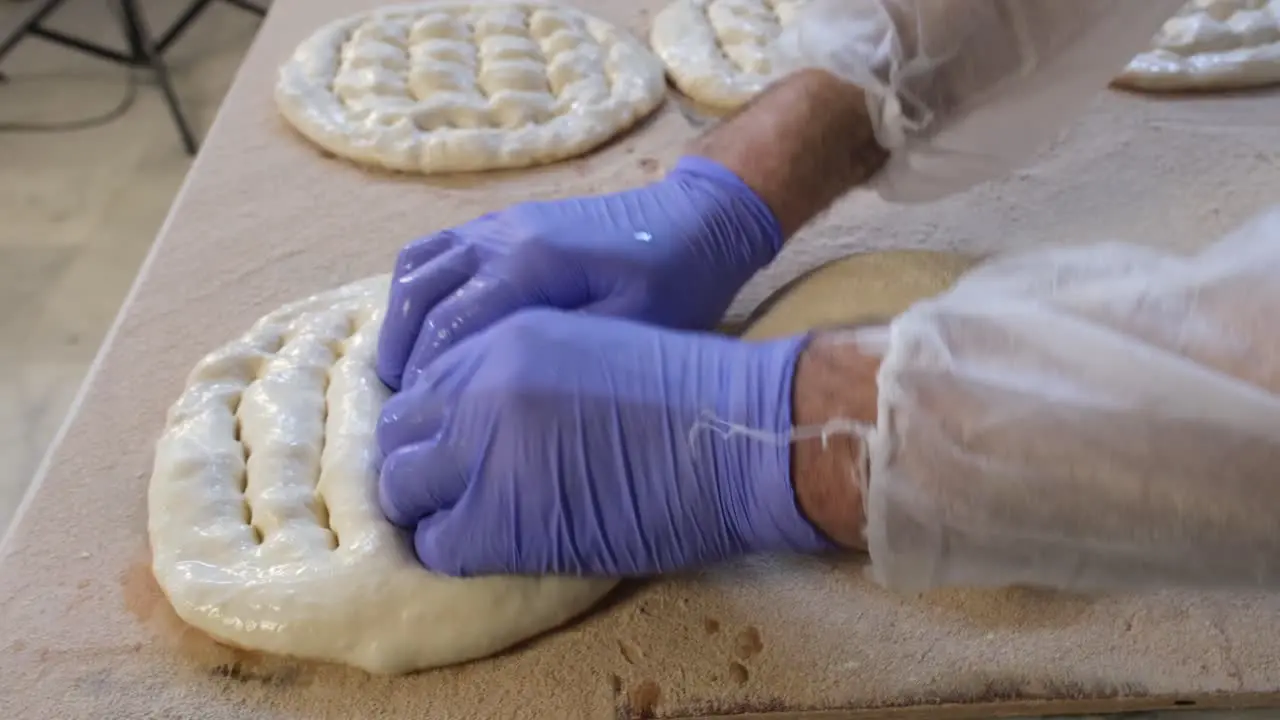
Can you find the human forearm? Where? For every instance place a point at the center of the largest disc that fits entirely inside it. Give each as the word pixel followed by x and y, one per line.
pixel 964 91
pixel 1017 441
pixel 834 381
pixel 800 145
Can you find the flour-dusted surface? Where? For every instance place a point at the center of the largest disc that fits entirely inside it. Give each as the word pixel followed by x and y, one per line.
pixel 460 86
pixel 85 632
pixel 264 518
pixel 720 52
pixel 1211 45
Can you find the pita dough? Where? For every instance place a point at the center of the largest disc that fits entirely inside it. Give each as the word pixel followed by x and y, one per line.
pixel 1211 45
pixel 265 527
pixel 720 52
pixel 462 86
pixel 868 288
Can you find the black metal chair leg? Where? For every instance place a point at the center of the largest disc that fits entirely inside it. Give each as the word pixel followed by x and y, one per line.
pixel 179 26
pixel 11 35
pixel 144 50
pixel 249 7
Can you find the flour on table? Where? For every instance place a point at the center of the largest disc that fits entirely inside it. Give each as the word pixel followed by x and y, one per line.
pixel 264 520
pixel 721 52
pixel 1211 45
pixel 466 86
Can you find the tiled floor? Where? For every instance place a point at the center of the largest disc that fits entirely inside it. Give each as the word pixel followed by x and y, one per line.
pixel 79 210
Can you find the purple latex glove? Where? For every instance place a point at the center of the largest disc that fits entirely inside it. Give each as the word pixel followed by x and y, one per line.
pixel 673 253
pixel 565 443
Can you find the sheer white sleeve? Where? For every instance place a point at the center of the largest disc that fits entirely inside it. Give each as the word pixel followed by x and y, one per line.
pixel 1085 418
pixel 964 91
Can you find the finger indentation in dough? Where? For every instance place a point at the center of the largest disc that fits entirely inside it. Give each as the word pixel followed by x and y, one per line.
pixel 265 525
pixel 721 52
pixel 1211 45
pixel 460 86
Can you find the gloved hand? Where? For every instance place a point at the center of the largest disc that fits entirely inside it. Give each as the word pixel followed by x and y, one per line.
pixel 567 443
pixel 964 91
pixel 673 253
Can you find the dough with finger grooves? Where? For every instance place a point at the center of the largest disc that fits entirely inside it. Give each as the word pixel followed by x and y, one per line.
pixel 721 52
pixel 459 86
pixel 263 513
pixel 1211 45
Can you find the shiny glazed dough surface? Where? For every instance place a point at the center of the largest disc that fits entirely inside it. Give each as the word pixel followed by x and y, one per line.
pixel 467 86
pixel 1211 45
pixel 720 52
pixel 264 521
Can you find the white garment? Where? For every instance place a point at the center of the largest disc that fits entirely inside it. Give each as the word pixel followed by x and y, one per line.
pixel 963 91
pixel 1085 418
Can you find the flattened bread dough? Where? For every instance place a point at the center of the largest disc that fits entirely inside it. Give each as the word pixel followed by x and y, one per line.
pixel 720 52
pixel 466 86
pixel 1211 45
pixel 872 287
pixel 264 521
pixel 265 527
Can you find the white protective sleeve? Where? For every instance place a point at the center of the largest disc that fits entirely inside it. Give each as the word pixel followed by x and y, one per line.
pixel 1103 417
pixel 965 91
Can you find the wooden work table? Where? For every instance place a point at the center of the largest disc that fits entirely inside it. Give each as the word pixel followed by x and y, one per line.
pixel 264 218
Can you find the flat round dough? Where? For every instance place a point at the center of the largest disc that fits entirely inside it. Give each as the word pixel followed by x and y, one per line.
pixel 467 86
pixel 721 52
pixel 264 520
pixel 869 288
pixel 1211 45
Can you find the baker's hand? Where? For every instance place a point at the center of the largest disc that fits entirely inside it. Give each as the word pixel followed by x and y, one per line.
pixel 673 253
pixel 567 443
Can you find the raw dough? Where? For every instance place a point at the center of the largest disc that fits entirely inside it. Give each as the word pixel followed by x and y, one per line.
pixel 263 509
pixel 1211 45
pixel 720 52
pixel 462 86
pixel 870 287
